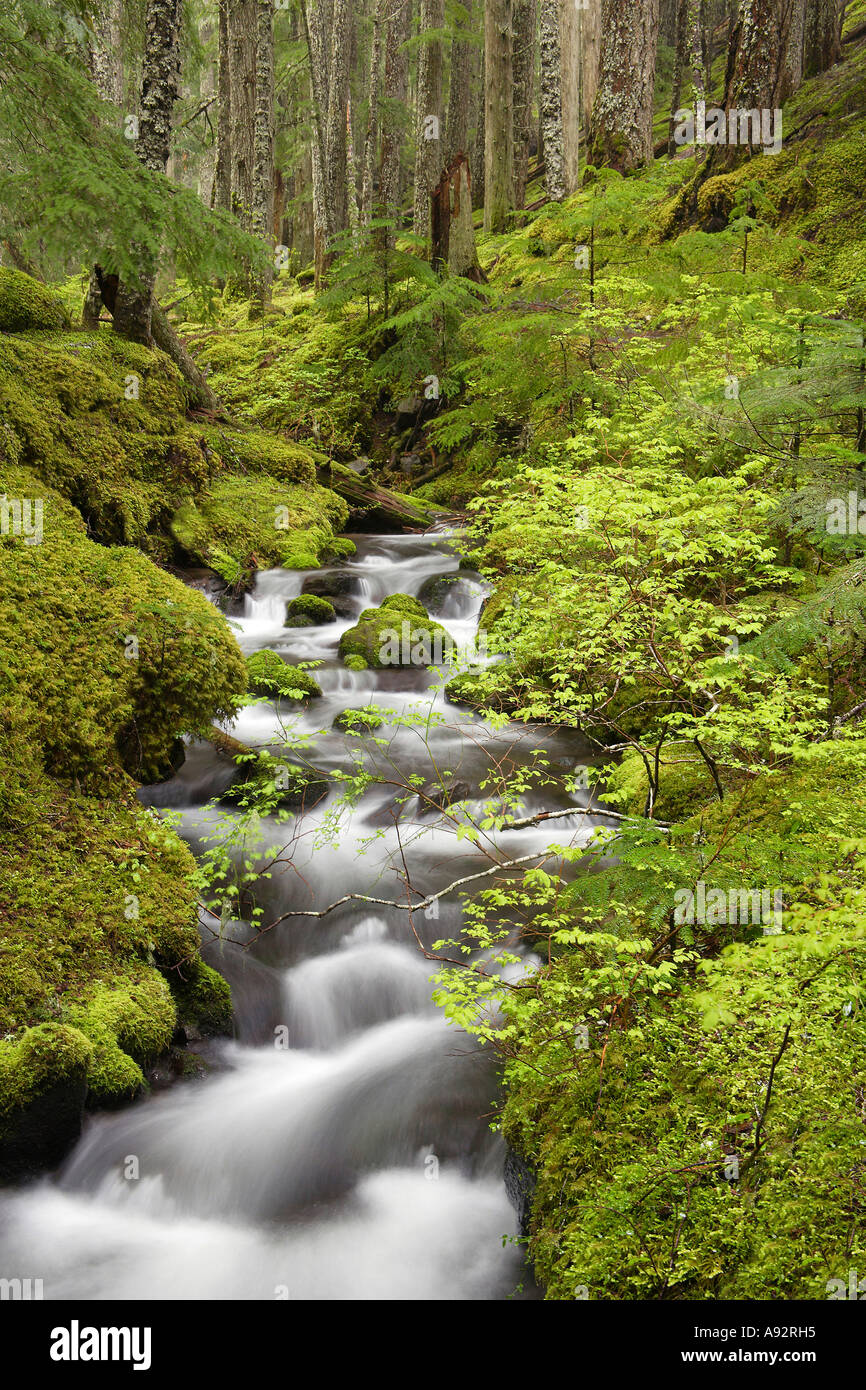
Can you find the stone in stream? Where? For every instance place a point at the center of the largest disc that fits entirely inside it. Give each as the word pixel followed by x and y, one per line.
pixel 399 633
pixel 309 610
pixel 272 678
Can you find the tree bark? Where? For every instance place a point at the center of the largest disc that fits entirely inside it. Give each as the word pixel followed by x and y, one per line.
pixel 498 114
pixel 569 50
pixel 453 231
pixel 620 133
pixel 242 54
pixel 823 35
pixel 525 23
pixel 263 145
pixel 336 176
pixel 428 114
pixel 551 101
pixel 106 67
pixel 459 92
pixel 395 93
pixel 371 138
pixel 159 88
pixel 590 58
pixel 479 179
pixel 223 178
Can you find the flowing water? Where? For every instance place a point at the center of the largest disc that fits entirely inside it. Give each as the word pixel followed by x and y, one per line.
pixel 340 1147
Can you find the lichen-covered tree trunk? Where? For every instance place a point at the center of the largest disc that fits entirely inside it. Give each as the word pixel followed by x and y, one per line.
pixel 680 59
pixel 428 114
pixel 223 178
pixel 498 114
pixel 106 66
pixel 242 59
pixel 459 91
pixel 590 58
pixel 793 73
pixel 621 128
pixel 395 93
pixel 371 137
pixel 453 231
pixel 336 168
pixel 263 147
pixel 757 61
pixel 525 24
pixel 823 35
pixel 569 49
pixel 550 100
pixel 160 75
pixel 477 160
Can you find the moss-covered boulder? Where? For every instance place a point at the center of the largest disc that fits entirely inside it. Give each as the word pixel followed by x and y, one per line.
pixel 261 523
pixel 354 662
pixel 685 785
pixel 269 676
pixel 26 304
pixel 308 610
pixel 399 633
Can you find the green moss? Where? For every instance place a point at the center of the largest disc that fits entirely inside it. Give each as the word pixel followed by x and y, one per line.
pixel 118 659
pixel 260 523
pixel 25 304
pixel 406 604
pixel 685 785
pixel 308 610
pixel 380 637
pixel 202 996
pixel 255 451
pixel 46 1056
pixel 355 663
pixel 268 675
pixel 103 422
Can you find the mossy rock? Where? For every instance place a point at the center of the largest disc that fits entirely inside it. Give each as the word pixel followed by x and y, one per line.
pixel 685 785
pixel 255 451
pixel 355 663
pixel 268 675
pixel 465 689
pixel 308 610
pixel 260 522
pixel 26 304
pixel 203 998
pixel 393 635
pixel 271 783
pixel 406 604
pixel 43 1088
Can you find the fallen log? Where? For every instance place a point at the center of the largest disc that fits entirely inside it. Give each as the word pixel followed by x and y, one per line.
pixel 374 504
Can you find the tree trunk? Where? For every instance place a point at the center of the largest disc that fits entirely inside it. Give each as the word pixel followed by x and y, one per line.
pixel 428 114
pixel 525 22
pixel 336 172
pixel 371 138
pixel 242 55
pixel 395 92
pixel 479 179
pixel 551 101
pixel 106 67
pixel 621 129
pixel 223 178
pixel 569 60
pixel 823 35
pixel 263 143
pixel 793 71
pixel 498 114
pixel 453 232
pixel 680 61
pixel 159 89
pixel 459 92
pixel 590 59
